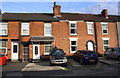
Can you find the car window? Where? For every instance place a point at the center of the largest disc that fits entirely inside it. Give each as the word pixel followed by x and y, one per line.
pixel 108 50
pixel 88 52
pixel 57 52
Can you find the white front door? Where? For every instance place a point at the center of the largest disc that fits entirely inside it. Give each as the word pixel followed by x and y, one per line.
pixel 90 46
pixel 36 51
pixel 15 50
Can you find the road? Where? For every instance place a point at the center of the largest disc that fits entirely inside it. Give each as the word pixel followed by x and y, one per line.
pixel 73 69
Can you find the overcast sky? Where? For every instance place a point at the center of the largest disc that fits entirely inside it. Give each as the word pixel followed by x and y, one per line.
pixel 71 7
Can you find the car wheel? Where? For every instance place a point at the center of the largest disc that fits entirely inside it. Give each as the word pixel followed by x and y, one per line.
pixel 81 62
pixel 106 56
pixel 96 62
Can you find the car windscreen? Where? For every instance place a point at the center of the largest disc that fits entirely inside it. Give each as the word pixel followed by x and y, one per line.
pixel 57 52
pixel 117 49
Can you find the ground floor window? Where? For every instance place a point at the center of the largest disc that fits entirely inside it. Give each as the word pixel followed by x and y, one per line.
pixel 73 45
pixel 3 46
pixel 47 48
pixel 105 43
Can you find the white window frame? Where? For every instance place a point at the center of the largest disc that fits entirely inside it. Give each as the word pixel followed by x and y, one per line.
pixel 106 44
pixel 4 47
pixel 73 39
pixel 44 48
pixel 25 28
pixel 45 31
pixel 73 22
pixel 104 29
pixel 90 28
pixel 1 27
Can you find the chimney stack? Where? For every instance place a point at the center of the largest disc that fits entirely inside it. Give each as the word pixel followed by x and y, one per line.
pixel 56 10
pixel 105 13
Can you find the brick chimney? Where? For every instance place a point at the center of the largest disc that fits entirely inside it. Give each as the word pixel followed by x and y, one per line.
pixel 104 13
pixel 56 10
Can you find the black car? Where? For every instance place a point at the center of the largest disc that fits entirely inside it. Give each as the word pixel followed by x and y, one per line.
pixel 85 56
pixel 112 52
pixel 57 56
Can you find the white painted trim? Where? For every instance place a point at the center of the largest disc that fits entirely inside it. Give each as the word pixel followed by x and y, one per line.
pixel 38 55
pixel 27 28
pixel 105 38
pixel 72 21
pixel 73 39
pixel 104 22
pixel 15 54
pixel 90 22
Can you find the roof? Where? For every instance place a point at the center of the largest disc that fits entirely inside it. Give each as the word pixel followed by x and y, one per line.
pixel 28 17
pixel 41 38
pixel 64 16
pixel 88 17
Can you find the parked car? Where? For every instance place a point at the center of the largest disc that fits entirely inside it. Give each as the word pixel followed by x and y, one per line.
pixel 85 56
pixel 57 56
pixel 112 52
pixel 3 58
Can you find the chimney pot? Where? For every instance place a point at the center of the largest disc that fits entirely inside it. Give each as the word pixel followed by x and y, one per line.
pixel 104 13
pixel 56 10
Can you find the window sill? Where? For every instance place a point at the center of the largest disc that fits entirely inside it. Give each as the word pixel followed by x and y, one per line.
pixel 48 35
pixel 46 54
pixel 25 35
pixel 73 34
pixel 72 52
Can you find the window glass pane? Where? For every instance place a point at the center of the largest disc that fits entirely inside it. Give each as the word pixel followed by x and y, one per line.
pixel 72 25
pixel 3 50
pixel 104 31
pixel 2 43
pixel 89 25
pixel 73 31
pixel 90 31
pixel 36 49
pixel 73 42
pixel 105 47
pixel 25 31
pixel 14 48
pixel 3 31
pixel 105 42
pixel 73 48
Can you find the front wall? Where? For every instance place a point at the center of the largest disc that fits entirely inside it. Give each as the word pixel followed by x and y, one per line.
pixel 60 31
pixel 111 35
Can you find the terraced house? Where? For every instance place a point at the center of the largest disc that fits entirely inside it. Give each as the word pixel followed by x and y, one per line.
pixel 30 36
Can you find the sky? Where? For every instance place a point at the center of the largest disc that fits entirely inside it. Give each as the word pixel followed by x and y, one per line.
pixel 68 7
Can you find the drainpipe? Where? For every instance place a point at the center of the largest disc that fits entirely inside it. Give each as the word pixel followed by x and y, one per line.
pixel 19 34
pixel 95 31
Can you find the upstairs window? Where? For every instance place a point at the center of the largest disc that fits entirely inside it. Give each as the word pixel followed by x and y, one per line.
pixel 73 28
pixel 25 28
pixel 90 28
pixel 3 28
pixel 47 29
pixel 104 28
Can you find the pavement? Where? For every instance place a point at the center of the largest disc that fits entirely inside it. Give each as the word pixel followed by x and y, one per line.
pixel 74 68
pixel 108 61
